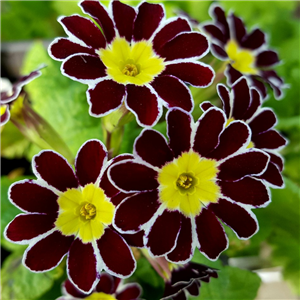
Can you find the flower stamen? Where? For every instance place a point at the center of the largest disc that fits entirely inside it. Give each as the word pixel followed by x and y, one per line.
pixel 184 181
pixel 130 70
pixel 88 211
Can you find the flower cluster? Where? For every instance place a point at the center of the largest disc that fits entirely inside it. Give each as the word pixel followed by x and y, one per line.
pixel 172 195
pixel 246 53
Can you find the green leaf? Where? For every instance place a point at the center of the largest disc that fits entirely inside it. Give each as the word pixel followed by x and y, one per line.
pixel 232 283
pixel 20 283
pixel 60 100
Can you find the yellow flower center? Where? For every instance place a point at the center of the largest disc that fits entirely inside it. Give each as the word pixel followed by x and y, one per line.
pixel 2 109
pixel 134 63
pixel 100 296
pixel 188 182
pixel 84 213
pixel 242 60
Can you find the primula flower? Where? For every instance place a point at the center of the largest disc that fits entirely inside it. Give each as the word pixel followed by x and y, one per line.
pixel 244 103
pixel 70 213
pixel 183 187
pixel 10 92
pixel 108 288
pixel 247 53
pixel 136 57
pixel 186 279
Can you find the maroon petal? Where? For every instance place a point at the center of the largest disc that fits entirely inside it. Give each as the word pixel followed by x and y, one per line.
pixel 179 130
pixel 254 104
pixel 193 289
pixel 248 163
pixel 83 67
pixel 89 161
pixel 152 147
pixel 215 33
pixel 205 105
pixel 267 58
pixel 99 13
pixel 82 265
pixel 148 19
pixel 195 73
pixel 185 45
pixel 144 104
pixel 83 29
pixel 169 31
pixel 55 170
pixel 211 235
pixel 276 159
pixel 72 290
pixel 62 48
pixel 248 191
pixel 105 284
pixel 224 95
pixel 136 211
pixel 239 30
pixel 254 40
pixel 259 86
pixel 235 136
pixel 116 254
pixel 174 92
pixel 184 247
pixel 105 97
pixel 241 98
pixel 26 227
pixel 48 252
pixel 243 222
pixel 119 197
pixel 109 189
pixel 31 197
pixel 135 239
pixel 124 16
pixel 131 176
pixel 209 127
pixel 263 121
pixel 130 291
pixel 163 234
pixel 270 139
pixel 273 176
pixel 219 15
pixel 218 52
pixel 276 82
pixel 232 75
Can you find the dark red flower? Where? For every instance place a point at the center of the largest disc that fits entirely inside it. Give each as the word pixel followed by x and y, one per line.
pixel 247 53
pixel 70 213
pixel 108 288
pixel 244 103
pixel 137 58
pixel 186 280
pixel 182 188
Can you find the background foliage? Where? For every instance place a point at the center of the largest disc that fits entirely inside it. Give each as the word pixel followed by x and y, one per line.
pixel 62 102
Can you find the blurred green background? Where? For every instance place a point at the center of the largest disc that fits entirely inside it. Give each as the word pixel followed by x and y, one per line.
pixel 27 26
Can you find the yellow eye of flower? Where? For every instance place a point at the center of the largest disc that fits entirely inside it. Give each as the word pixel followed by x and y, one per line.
pixel 100 296
pixel 134 63
pixel 84 213
pixel 188 182
pixel 242 60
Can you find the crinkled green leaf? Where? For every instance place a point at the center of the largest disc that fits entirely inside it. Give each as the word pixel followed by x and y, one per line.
pixel 20 283
pixel 60 100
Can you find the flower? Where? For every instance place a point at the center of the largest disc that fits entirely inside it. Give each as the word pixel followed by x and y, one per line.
pixel 181 188
pixel 70 213
pixel 10 92
pixel 246 53
pixel 108 288
pixel 186 279
pixel 137 58
pixel 244 103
